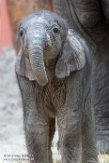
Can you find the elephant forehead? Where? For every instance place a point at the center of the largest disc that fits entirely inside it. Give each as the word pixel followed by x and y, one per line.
pixel 38 21
pixel 34 21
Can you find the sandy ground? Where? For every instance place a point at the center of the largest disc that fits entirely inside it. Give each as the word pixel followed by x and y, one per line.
pixel 12 140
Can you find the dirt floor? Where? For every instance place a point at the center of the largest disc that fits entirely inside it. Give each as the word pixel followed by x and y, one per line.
pixel 12 140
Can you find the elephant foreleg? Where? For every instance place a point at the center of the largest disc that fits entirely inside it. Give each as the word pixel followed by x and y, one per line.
pixel 36 123
pixel 89 152
pixel 69 137
pixel 51 134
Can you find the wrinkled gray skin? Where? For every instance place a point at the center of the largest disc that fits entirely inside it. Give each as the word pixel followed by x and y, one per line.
pixel 91 19
pixel 53 71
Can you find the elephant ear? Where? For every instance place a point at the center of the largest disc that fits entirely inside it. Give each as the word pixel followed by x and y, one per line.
pixel 23 66
pixel 72 58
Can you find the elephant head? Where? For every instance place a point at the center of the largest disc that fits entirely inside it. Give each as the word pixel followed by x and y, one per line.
pixel 44 36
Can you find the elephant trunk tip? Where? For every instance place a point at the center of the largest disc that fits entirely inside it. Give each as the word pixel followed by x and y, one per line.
pixel 43 81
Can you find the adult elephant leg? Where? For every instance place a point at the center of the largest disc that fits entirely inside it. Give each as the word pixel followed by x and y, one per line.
pixel 100 83
pixel 35 122
pixel 100 94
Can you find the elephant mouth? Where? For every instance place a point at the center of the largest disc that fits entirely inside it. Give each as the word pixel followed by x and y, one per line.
pixel 50 63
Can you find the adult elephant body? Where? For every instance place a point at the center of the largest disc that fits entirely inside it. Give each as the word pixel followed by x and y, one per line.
pixel 91 19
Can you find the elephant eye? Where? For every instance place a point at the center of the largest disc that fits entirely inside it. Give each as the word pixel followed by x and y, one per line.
pixel 21 32
pixel 56 30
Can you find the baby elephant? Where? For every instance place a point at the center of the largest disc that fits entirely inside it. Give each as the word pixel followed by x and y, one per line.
pixel 53 71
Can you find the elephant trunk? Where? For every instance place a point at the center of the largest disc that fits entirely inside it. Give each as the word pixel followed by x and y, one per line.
pixel 37 61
